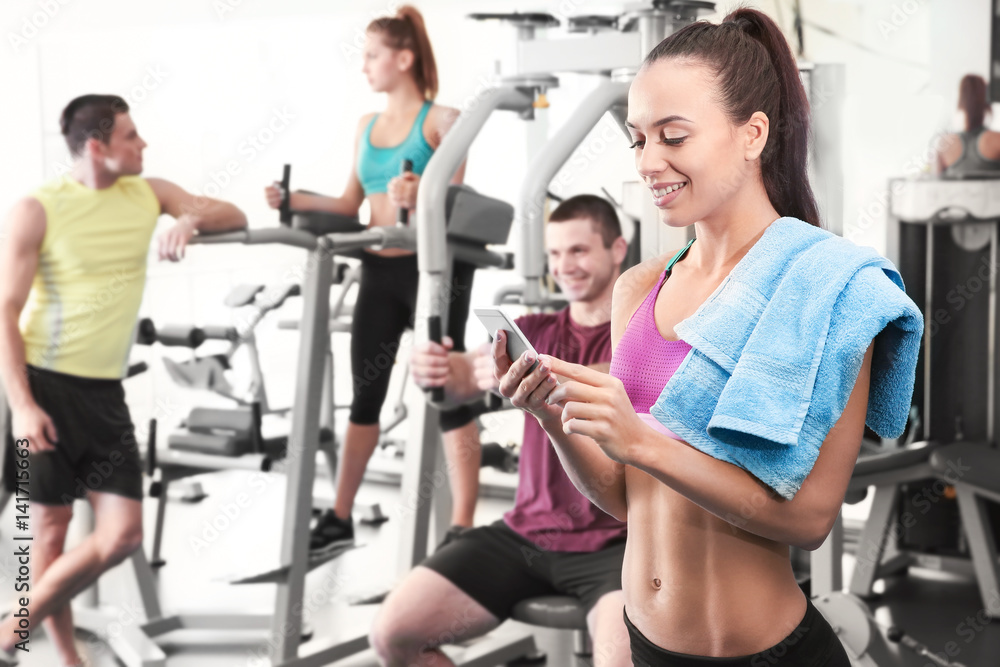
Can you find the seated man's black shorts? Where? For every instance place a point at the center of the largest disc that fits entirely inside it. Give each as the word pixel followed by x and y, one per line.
pixel 498 568
pixel 96 450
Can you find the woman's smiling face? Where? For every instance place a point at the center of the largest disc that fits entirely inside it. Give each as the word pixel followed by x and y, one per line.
pixel 687 150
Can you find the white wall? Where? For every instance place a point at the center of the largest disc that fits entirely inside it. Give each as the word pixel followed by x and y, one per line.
pixel 204 75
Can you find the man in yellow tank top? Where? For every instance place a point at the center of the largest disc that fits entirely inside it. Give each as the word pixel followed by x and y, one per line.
pixel 72 274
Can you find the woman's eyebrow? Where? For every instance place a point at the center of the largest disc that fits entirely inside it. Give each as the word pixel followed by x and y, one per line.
pixel 663 121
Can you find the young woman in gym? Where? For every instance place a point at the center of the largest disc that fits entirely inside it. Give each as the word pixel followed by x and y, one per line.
pixel 719 120
pixel 398 61
pixel 976 151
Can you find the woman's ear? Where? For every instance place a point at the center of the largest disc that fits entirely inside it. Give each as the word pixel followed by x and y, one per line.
pixel 756 131
pixel 404 59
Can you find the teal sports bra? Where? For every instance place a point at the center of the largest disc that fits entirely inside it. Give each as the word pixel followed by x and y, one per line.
pixel 378 165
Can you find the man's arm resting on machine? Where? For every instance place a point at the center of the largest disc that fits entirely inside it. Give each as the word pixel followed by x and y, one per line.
pixel 202 213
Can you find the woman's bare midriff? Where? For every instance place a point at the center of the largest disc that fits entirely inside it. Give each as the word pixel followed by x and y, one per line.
pixel 696 584
pixel 383 214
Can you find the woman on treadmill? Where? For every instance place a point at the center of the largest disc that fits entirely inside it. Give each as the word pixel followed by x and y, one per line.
pixel 974 153
pixel 398 61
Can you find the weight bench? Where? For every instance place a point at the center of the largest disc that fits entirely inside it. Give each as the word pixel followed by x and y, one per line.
pixel 968 466
pixel 972 469
pixel 886 471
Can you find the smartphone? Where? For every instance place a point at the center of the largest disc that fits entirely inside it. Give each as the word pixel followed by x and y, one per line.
pixel 495 320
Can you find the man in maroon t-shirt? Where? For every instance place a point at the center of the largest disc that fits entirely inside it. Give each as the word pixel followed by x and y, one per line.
pixel 554 540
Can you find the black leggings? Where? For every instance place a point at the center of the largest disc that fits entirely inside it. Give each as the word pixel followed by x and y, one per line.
pixel 385 307
pixel 812 644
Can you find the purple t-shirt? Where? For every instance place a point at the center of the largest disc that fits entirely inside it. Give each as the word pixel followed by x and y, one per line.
pixel 548 510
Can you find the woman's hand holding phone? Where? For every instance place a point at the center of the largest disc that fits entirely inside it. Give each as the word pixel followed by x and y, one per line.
pixel 525 381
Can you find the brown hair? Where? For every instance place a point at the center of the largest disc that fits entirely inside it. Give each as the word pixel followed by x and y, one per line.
pixel 90 117
pixel 591 207
pixel 755 71
pixel 406 30
pixel 972 100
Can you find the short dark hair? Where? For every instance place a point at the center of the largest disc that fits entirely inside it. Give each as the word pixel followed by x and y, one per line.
pixel 594 208
pixel 90 117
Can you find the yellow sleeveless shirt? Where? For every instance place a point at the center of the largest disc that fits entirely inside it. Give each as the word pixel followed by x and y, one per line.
pixel 81 313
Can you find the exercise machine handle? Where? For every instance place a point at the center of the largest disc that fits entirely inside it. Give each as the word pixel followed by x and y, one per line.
pixel 285 207
pixel 434 335
pixel 151 449
pixel 180 335
pixel 146 332
pixel 403 215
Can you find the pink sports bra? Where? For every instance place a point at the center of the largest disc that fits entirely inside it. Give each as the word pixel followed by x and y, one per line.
pixel 643 360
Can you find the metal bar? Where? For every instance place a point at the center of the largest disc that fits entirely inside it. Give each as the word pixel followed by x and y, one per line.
pixel 529 216
pixel 171 458
pixel 871 545
pixel 281 235
pixel 433 188
pixel 479 256
pixel 146 581
pixel 132 646
pixel 420 479
pixel 374 237
pixel 928 318
pixel 826 570
pixel 327 656
pixel 991 343
pixel 161 516
pixel 286 630
pixel 982 545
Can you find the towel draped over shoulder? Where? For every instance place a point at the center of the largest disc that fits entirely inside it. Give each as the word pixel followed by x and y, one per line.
pixel 777 348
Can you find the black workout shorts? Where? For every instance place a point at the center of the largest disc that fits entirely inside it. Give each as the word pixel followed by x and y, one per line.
pixel 812 644
pixel 96 449
pixel 498 568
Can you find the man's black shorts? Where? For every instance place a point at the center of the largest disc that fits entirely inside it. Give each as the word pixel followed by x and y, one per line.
pixel 498 568
pixel 96 450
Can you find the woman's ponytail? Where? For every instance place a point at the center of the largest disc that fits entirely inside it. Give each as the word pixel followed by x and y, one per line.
pixel 756 72
pixel 406 30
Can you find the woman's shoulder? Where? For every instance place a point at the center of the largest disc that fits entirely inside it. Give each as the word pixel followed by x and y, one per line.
pixel 989 145
pixel 439 120
pixel 442 112
pixel 365 121
pixel 634 284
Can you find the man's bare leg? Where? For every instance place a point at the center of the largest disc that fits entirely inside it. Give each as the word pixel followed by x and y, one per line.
pixel 406 635
pixel 117 533
pixel 51 523
pixel 463 452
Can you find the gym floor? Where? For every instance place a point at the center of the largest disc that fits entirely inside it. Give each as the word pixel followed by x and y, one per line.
pixel 929 606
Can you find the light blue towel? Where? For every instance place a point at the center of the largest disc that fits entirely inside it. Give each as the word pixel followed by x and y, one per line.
pixel 777 348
